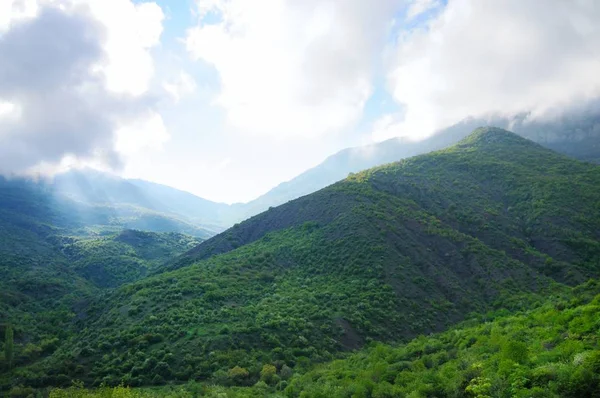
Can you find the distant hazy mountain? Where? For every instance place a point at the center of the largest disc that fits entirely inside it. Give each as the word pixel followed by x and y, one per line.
pixel 94 202
pixel 576 135
pixel 158 207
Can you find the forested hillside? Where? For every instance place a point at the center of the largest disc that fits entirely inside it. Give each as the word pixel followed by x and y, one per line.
pixel 387 254
pixel 56 258
pixel 550 350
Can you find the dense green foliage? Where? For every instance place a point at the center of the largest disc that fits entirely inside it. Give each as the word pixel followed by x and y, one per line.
pixel 46 283
pixel 114 259
pixel 552 351
pixel 9 346
pixel 549 351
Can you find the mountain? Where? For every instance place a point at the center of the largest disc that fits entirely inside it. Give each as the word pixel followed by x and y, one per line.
pixel 75 200
pixel 576 134
pixel 302 210
pixel 142 204
pixel 387 254
pixel 149 206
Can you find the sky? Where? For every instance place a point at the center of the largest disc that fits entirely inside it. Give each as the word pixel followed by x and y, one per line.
pixel 228 98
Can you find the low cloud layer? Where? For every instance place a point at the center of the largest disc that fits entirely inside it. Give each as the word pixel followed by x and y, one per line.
pixel 485 56
pixel 56 98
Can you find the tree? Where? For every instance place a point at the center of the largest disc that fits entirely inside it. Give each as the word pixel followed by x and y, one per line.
pixel 286 372
pixel 238 374
pixel 9 347
pixel 267 373
pixel 516 351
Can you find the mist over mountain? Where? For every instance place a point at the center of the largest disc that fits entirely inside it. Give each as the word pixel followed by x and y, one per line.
pixel 95 188
pixel 575 133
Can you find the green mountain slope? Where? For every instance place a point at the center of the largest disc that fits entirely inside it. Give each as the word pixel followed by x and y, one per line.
pixel 550 350
pixel 494 185
pixel 127 256
pixel 387 254
pixel 47 281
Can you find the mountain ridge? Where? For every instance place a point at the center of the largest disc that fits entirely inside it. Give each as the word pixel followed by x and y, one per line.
pixel 576 135
pixel 279 218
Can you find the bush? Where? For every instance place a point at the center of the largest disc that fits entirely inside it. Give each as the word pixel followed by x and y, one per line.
pixel 267 373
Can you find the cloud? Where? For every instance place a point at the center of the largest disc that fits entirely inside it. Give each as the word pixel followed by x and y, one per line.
pixel 290 68
pixel 12 11
pixel 58 94
pixel 478 57
pixel 223 163
pixel 132 30
pixel 182 86
pixel 128 136
pixel 419 7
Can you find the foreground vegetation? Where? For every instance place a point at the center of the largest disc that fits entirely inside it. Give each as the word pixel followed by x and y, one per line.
pixel 550 351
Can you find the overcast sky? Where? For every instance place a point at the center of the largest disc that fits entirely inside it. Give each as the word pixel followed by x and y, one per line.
pixel 228 98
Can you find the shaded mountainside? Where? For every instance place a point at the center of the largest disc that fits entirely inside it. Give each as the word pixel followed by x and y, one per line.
pixel 25 201
pixel 387 254
pixel 493 184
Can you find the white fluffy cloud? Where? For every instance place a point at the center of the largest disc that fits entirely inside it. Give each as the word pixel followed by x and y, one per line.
pixel 291 68
pixel 74 77
pixel 131 31
pixel 153 128
pixel 482 56
pixel 180 87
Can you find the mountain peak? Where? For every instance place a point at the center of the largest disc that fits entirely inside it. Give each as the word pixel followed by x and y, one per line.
pixel 493 136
